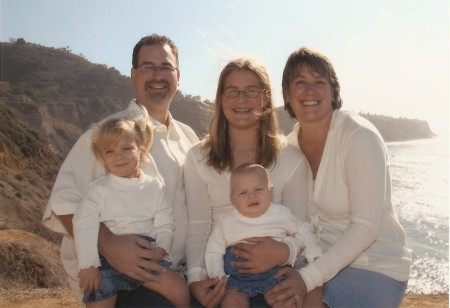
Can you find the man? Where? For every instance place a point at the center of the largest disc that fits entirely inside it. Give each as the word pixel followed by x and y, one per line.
pixel 155 75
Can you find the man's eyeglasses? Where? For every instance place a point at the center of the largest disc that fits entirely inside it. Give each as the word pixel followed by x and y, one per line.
pixel 150 68
pixel 250 92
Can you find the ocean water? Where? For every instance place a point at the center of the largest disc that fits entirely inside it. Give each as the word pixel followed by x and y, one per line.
pixel 420 171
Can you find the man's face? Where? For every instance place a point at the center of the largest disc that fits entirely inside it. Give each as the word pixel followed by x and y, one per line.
pixel 156 77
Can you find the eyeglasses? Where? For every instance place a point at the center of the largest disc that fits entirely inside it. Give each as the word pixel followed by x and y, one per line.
pixel 150 68
pixel 250 92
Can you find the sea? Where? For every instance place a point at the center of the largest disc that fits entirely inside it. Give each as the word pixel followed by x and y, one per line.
pixel 420 189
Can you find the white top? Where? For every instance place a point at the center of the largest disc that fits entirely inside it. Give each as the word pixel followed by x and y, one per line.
pixel 208 199
pixel 125 206
pixel 349 203
pixel 80 168
pixel 277 222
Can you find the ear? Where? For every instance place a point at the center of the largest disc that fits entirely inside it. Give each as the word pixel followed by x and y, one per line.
pixel 271 192
pixel 141 152
pixel 133 74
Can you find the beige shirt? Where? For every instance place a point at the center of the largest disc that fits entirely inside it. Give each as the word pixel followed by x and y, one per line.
pixel 80 168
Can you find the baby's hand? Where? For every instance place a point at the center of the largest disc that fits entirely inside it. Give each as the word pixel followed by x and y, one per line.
pixel 90 279
pixel 160 253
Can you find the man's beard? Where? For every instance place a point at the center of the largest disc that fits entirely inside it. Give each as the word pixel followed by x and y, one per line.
pixel 158 96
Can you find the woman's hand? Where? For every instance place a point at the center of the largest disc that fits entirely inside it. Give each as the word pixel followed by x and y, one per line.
pixel 289 292
pixel 209 292
pixel 131 255
pixel 263 254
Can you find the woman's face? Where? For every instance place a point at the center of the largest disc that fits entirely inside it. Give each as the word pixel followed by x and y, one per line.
pixel 244 110
pixel 310 96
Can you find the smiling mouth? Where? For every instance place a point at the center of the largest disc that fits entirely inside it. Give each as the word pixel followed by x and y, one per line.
pixel 242 110
pixel 310 103
pixel 156 85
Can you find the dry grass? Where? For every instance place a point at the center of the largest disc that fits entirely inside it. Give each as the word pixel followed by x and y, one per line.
pixel 28 261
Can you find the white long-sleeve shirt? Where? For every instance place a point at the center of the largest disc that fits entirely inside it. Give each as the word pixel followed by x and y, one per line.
pixel 80 168
pixel 208 199
pixel 125 206
pixel 350 205
pixel 277 222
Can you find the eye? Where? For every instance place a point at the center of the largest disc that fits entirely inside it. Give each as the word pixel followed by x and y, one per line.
pixel 167 69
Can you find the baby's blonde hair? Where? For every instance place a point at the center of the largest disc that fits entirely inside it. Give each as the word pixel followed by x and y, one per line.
pixel 108 133
pixel 249 168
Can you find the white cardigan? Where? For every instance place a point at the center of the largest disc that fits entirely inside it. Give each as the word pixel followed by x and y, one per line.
pixel 349 203
pixel 208 199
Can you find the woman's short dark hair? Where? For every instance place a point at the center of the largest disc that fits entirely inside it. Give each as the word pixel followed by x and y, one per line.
pixel 316 61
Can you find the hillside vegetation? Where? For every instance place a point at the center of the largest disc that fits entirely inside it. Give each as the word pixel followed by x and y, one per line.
pixel 48 97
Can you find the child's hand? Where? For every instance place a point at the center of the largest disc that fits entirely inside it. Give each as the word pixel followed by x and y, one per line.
pixel 90 279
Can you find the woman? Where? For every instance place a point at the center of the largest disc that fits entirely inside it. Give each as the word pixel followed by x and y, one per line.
pixel 243 130
pixel 366 262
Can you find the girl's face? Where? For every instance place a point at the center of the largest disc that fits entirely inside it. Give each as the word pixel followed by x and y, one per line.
pixel 251 194
pixel 310 96
pixel 243 111
pixel 123 158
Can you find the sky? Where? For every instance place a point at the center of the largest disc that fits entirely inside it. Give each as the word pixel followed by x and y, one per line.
pixel 391 56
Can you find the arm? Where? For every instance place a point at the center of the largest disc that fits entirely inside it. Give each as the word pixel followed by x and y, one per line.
pixel 71 184
pixel 66 221
pixel 365 169
pixel 209 292
pixel 263 254
pixel 215 249
pixel 130 254
pixel 199 215
pixel 164 223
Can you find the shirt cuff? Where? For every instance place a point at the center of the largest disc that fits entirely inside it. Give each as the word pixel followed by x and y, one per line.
pixel 311 276
pixel 293 252
pixel 196 274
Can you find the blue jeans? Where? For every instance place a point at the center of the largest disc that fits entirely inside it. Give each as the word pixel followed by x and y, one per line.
pixel 253 284
pixel 353 287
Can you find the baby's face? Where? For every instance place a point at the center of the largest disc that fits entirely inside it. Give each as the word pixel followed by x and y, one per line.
pixel 251 194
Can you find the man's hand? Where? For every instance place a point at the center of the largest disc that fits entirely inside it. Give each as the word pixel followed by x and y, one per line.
pixel 263 254
pixel 131 255
pixel 209 292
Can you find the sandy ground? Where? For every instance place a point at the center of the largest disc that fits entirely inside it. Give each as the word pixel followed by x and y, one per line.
pixel 56 298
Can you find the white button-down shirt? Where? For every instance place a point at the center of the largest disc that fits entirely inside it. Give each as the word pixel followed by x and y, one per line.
pixel 80 168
